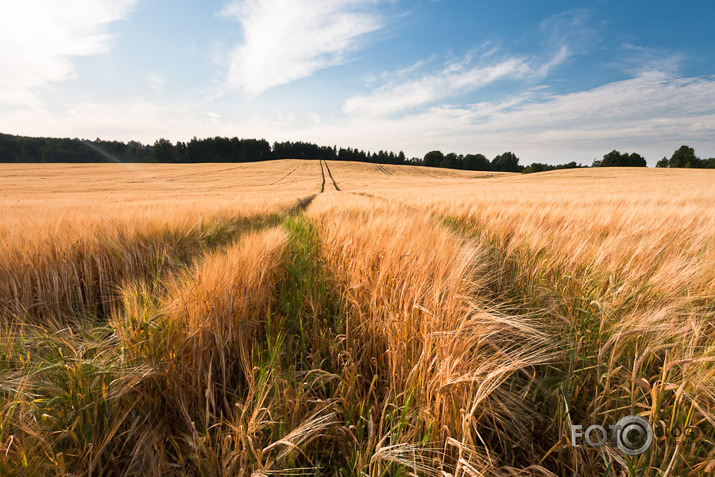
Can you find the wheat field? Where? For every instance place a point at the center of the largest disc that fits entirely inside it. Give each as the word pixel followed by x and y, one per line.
pixel 333 318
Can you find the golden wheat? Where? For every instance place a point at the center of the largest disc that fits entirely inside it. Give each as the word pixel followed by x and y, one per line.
pixel 199 319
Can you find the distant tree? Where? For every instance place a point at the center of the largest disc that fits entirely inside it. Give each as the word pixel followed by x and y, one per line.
pixel 433 159
pixel 617 159
pixel 69 150
pixel 252 150
pixel 460 161
pixel 663 163
pixel 449 161
pixel 476 162
pixel 685 156
pixel 537 167
pixel 634 160
pixel 612 159
pixel 182 154
pixel 136 152
pixel 709 163
pixel 163 151
pixel 569 165
pixel 506 162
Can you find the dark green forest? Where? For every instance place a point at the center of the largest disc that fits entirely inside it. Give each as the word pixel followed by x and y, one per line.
pixel 21 149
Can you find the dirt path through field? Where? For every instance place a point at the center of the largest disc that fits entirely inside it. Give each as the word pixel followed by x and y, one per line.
pixel 335 184
pixel 383 170
pixel 322 171
pixel 285 176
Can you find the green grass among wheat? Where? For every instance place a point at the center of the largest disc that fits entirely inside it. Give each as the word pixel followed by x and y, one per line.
pixel 329 318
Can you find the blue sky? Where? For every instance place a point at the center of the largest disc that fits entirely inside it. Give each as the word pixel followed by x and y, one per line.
pixel 551 81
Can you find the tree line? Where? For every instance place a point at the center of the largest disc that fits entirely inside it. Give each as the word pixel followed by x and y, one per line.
pixel 217 149
pixel 222 149
pixel 685 156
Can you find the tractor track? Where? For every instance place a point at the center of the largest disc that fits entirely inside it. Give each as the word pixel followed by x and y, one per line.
pixel 383 170
pixel 289 173
pixel 335 184
pixel 322 172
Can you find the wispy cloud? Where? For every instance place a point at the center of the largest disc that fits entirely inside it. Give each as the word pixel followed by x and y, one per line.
pixel 455 77
pixel 637 60
pixel 577 28
pixel 645 105
pixel 285 40
pixel 654 113
pixel 416 106
pixel 39 38
pixel 156 83
pixel 560 36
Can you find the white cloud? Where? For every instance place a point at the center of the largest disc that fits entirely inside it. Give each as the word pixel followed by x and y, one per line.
pixel 156 83
pixel 214 118
pixel 129 119
pixel 652 114
pixel 577 28
pixel 455 78
pixel 286 40
pixel 638 60
pixel 638 105
pixel 408 88
pixel 38 39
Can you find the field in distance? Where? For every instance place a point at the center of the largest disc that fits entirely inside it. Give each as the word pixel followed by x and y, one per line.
pixel 340 318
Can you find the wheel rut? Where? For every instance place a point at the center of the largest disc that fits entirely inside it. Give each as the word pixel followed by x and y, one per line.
pixel 335 184
pixel 322 172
